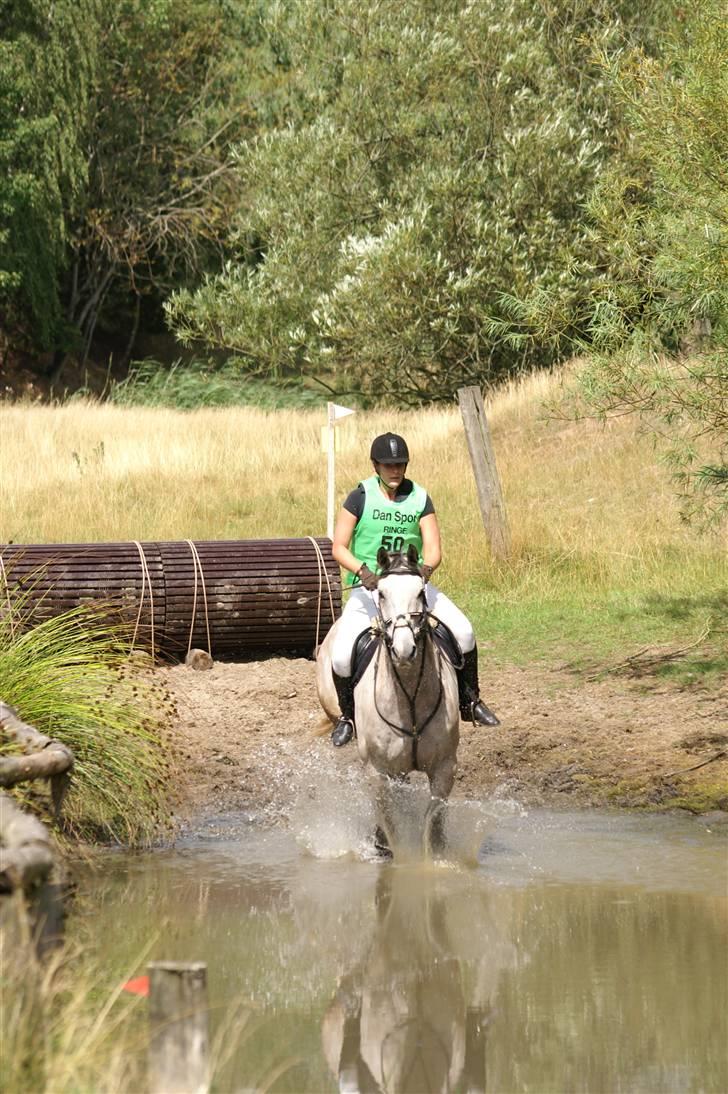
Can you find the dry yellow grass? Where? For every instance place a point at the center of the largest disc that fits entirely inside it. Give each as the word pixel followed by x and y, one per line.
pixel 93 472
pixel 578 494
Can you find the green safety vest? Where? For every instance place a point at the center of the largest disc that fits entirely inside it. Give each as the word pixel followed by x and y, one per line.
pixel 384 523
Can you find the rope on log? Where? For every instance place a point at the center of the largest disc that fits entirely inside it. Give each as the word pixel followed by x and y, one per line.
pixel 231 597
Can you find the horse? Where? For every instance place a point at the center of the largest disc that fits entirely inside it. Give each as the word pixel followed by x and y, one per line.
pixel 406 705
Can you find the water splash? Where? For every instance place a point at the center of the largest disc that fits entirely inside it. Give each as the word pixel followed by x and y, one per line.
pixel 332 807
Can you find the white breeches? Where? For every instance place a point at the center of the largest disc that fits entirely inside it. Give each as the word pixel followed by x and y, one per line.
pixel 361 608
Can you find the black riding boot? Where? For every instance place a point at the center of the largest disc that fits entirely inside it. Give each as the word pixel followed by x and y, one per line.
pixel 471 707
pixel 344 729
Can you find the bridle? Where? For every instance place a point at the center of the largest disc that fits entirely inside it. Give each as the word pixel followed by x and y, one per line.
pixel 423 641
pixel 404 619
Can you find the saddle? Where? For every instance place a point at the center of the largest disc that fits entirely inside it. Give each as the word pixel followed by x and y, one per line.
pixel 368 640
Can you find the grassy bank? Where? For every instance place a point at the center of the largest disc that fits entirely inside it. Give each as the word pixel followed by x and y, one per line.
pixel 65 1030
pixel 601 561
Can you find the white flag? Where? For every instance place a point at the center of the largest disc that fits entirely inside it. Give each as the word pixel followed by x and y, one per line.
pixel 340 411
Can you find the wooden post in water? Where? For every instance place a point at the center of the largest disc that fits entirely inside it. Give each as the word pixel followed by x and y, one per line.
pixel 487 482
pixel 179 1060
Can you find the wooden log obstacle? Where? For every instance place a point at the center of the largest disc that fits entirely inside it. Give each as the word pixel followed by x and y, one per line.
pixel 229 597
pixel 26 856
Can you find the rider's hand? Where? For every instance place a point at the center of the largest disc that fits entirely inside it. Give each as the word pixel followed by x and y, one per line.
pixel 367 578
pixel 427 572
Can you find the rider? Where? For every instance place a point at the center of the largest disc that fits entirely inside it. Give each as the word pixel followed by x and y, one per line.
pixel 388 510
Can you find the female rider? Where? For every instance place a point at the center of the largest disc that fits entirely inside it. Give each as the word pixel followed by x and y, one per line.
pixel 388 510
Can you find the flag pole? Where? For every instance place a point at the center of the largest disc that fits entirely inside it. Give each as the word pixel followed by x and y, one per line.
pixel 334 412
pixel 331 447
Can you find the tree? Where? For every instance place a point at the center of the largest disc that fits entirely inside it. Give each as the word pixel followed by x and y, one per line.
pixel 655 320
pixel 116 183
pixel 48 61
pixel 437 156
pixel 174 92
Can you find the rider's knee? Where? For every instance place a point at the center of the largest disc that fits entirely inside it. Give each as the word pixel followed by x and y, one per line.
pixel 341 661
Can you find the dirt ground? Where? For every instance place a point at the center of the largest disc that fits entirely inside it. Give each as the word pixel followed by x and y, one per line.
pixel 564 740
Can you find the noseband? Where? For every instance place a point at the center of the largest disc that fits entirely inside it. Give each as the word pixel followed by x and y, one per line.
pixel 387 627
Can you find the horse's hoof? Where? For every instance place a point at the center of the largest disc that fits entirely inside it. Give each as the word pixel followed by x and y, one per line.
pixel 381 845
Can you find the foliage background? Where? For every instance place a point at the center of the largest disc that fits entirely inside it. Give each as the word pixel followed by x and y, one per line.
pixel 652 316
pixel 49 54
pixel 385 201
pixel 439 156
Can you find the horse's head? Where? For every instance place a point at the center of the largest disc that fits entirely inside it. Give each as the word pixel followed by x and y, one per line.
pixel 402 605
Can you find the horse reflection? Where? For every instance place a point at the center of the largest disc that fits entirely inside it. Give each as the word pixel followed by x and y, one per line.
pixel 414 1015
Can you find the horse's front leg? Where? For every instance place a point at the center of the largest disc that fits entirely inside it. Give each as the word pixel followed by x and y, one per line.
pixel 441 783
pixel 385 830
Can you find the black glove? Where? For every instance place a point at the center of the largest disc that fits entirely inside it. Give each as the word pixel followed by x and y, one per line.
pixel 427 572
pixel 367 578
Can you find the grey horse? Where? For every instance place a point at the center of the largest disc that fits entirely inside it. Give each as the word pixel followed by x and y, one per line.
pixel 406 703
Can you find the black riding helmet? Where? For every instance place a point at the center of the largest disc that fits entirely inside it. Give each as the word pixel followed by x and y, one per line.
pixel 389 448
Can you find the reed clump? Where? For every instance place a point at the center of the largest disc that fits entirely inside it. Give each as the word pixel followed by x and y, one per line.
pixel 70 676
pixel 67 1025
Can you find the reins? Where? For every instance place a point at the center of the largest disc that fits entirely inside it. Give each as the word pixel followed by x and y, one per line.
pixel 425 639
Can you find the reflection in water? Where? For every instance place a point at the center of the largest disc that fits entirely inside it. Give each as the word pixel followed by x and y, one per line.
pixel 583 953
pixel 413 1015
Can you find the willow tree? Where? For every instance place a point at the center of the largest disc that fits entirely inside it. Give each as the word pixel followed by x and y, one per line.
pixel 179 82
pixel 654 323
pixel 436 156
pixel 48 64
pixel 116 186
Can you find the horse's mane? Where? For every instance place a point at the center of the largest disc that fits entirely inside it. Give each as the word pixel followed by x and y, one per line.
pixel 398 562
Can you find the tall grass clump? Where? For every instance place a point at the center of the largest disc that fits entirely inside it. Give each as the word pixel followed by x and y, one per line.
pixel 195 384
pixel 67 1026
pixel 71 678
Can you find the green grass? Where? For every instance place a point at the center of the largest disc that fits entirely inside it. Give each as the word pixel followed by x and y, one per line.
pixel 196 384
pixel 589 626
pixel 70 677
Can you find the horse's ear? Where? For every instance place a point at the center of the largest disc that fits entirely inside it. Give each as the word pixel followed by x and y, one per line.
pixel 413 558
pixel 382 559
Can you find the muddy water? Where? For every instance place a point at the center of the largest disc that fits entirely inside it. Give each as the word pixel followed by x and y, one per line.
pixel 546 952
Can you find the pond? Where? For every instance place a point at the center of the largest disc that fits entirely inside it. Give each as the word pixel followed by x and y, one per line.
pixel 545 952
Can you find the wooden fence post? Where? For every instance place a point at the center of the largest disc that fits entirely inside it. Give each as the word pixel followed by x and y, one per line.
pixel 487 482
pixel 179 1061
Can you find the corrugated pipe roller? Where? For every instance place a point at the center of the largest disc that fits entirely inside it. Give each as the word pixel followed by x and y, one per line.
pixel 229 597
